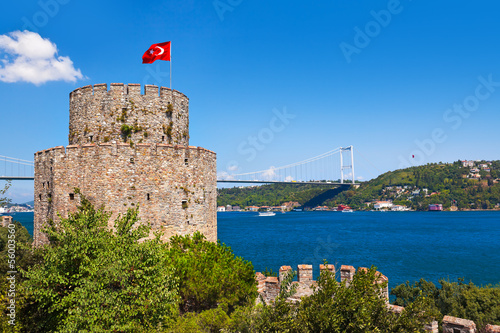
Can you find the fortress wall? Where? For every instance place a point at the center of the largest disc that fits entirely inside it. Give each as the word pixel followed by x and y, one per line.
pixel 174 186
pixel 98 114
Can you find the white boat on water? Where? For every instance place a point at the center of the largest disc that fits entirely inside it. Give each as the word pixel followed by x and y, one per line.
pixel 267 213
pixel 297 209
pixel 347 211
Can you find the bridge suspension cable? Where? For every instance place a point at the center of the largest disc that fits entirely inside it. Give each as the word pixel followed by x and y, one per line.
pixel 15 168
pixel 312 159
pixel 322 168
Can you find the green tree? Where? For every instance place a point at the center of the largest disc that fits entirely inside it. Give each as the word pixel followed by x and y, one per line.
pixel 94 279
pixel 20 256
pixel 359 307
pixel 458 299
pixel 4 200
pixel 210 275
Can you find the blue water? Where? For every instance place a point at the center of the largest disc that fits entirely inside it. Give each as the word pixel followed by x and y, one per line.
pixel 403 245
pixel 26 220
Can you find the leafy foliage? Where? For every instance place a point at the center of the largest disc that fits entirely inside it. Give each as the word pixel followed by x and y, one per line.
pixel 210 276
pixel 93 279
pixel 458 299
pixel 4 200
pixel 21 259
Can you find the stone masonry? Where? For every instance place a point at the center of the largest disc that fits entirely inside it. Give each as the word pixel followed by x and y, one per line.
pixel 150 164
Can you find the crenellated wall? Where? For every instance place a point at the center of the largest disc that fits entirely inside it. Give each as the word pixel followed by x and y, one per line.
pixel 99 115
pixel 174 186
pixel 269 287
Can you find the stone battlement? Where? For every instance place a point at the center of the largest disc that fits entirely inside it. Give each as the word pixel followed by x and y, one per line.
pixel 123 114
pixel 125 89
pixel 115 146
pixel 269 287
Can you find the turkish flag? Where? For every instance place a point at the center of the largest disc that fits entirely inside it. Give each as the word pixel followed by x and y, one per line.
pixel 160 51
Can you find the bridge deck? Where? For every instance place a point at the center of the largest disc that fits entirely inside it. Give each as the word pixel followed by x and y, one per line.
pixel 231 181
pixel 278 182
pixel 16 178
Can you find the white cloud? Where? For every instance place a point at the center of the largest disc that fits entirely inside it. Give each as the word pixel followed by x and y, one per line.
pixel 233 167
pixel 269 174
pixel 224 176
pixel 27 57
pixel 289 179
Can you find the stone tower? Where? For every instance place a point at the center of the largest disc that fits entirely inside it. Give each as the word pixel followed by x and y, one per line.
pixel 126 149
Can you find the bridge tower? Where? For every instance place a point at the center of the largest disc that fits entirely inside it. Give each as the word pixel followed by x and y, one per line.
pixel 347 166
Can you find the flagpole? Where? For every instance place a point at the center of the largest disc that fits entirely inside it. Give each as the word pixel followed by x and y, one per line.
pixel 171 66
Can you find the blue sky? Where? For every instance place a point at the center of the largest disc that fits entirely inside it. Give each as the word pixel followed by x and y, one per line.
pixel 392 78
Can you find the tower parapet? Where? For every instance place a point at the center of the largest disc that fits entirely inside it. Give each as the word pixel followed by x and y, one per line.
pixel 123 114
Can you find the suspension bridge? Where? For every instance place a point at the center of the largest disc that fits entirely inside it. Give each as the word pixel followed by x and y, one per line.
pixel 16 169
pixel 330 168
pixel 335 167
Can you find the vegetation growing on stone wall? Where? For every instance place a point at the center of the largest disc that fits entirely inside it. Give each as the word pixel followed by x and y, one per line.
pixel 126 131
pixel 168 129
pixel 170 109
pixel 136 127
pixel 123 116
pixel 72 135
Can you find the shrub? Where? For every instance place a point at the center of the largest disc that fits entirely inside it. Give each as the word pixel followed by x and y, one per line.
pixel 210 275
pixel 94 279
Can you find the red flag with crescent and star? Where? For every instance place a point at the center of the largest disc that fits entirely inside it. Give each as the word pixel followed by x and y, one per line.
pixel 160 51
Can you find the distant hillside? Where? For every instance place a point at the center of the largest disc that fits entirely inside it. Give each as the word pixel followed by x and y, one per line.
pixel 272 195
pixel 466 187
pixel 470 185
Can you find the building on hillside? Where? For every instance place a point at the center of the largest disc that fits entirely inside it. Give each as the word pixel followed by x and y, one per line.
pixel 6 220
pixel 221 209
pixel 291 205
pixel 382 204
pixel 467 164
pixel 399 208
